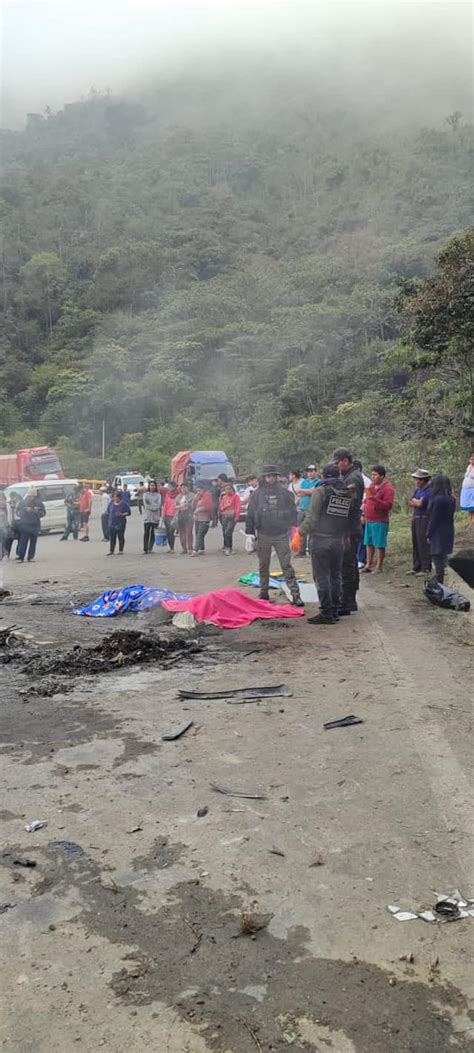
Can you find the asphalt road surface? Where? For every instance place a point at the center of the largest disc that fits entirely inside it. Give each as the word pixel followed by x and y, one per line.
pixel 126 934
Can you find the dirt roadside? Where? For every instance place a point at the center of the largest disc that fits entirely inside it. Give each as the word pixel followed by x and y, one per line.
pixel 134 942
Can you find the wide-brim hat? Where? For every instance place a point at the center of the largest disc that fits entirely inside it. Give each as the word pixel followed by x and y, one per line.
pixel 421 473
pixel 270 469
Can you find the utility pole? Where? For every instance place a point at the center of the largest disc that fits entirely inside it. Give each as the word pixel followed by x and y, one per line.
pixel 103 439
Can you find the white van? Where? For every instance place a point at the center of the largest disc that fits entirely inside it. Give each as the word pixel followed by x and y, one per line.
pixel 53 493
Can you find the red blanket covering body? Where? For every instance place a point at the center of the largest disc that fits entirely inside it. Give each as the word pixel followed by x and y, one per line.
pixel 231 608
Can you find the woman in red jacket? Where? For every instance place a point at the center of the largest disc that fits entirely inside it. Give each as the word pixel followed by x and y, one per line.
pixel 378 504
pixel 203 510
pixel 229 513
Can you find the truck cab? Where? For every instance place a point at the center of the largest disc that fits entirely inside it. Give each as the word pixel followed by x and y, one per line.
pixel 133 480
pixel 200 467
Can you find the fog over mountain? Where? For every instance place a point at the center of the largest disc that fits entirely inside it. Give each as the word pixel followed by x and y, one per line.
pixel 412 58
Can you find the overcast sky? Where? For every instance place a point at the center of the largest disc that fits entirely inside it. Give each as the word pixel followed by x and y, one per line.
pixel 53 52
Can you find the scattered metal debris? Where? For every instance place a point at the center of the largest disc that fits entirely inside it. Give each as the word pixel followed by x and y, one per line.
pixel 344 722
pixel 8 635
pixel 21 861
pixel 238 793
pixel 242 694
pixel 448 907
pixel 201 812
pixel 274 851
pixel 6 906
pixel 176 733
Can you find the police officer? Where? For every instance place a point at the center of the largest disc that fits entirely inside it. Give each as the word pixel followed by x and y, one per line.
pixel 326 521
pixel 352 478
pixel 271 514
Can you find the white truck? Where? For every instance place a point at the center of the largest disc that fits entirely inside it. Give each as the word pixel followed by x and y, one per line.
pixel 132 480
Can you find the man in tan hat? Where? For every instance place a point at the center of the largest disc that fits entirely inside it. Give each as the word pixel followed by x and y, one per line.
pixel 419 502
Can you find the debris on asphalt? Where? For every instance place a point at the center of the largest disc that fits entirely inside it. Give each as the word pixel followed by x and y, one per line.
pixel 344 722
pixel 267 691
pixel 108 883
pixel 123 647
pixel 276 851
pixel 176 733
pixel 448 907
pixel 20 861
pixel 407 958
pixel 134 830
pixel 36 824
pixel 252 923
pixel 6 906
pixel 70 848
pixel 319 860
pixel 184 620
pixel 238 793
pixel 7 635
pixel 201 812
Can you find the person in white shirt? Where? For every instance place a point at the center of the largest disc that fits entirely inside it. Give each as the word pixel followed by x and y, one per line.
pixel 294 484
pixel 362 551
pixel 252 485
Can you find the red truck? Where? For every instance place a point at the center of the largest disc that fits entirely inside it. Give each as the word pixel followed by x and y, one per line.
pixel 29 465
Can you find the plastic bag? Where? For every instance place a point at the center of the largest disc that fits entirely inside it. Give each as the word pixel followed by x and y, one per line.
pixel 250 543
pixel 441 596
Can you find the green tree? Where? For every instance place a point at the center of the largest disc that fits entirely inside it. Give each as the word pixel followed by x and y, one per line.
pixel 44 280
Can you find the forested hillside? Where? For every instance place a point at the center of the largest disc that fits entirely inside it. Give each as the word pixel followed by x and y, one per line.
pixel 209 266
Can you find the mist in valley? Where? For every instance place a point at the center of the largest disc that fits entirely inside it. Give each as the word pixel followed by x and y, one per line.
pixel 402 61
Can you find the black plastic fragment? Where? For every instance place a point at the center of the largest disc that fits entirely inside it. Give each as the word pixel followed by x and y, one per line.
pixel 344 722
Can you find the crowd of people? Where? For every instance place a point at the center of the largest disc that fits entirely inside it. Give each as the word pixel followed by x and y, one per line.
pixel 170 512
pixel 339 516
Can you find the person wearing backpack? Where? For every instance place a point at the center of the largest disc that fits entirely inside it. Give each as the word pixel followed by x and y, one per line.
pixel 271 515
pixel 326 522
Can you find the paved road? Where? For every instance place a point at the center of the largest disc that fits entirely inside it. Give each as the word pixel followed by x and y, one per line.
pixel 135 943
